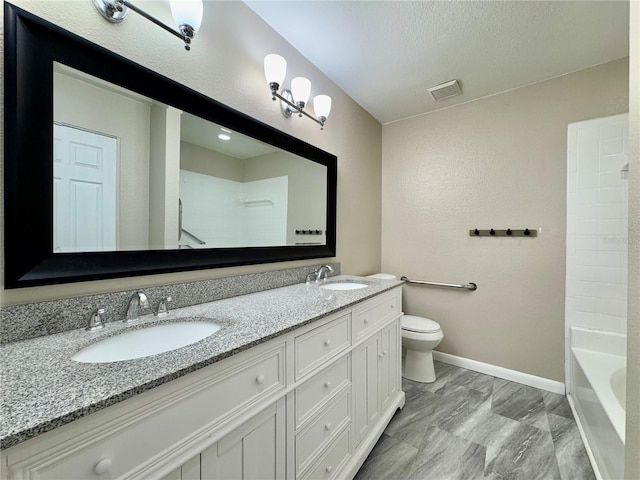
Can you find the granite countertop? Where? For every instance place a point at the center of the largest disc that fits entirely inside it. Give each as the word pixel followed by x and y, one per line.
pixel 42 388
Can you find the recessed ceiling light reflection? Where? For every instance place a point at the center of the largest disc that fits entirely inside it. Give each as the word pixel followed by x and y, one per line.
pixel 224 136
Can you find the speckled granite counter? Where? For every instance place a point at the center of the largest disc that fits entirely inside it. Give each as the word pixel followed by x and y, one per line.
pixel 42 388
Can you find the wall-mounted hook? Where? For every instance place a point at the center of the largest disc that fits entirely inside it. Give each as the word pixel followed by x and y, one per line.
pixel 476 232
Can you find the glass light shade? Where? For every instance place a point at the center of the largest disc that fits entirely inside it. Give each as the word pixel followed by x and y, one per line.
pixel 187 12
pixel 322 105
pixel 275 68
pixel 301 89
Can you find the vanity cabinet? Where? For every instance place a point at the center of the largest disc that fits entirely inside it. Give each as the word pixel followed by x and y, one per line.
pixel 378 363
pixel 252 451
pixel 309 404
pixel 390 363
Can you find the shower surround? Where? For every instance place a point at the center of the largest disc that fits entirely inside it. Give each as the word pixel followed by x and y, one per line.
pixel 596 285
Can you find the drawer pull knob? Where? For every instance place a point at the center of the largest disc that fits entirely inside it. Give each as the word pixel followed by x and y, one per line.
pixel 327 426
pixel 329 469
pixel 102 466
pixel 260 379
pixel 366 321
pixel 327 342
pixel 381 354
pixel 327 385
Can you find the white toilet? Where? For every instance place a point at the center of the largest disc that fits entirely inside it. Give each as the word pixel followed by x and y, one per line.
pixel 419 337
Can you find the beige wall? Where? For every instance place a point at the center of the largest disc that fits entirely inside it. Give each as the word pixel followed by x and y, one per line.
pixel 79 103
pixel 225 63
pixel 209 162
pixel 496 162
pixel 164 176
pixel 306 208
pixel 632 449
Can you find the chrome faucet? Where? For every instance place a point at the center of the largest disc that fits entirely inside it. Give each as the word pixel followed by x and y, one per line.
pixel 137 302
pixel 163 306
pixel 96 321
pixel 321 273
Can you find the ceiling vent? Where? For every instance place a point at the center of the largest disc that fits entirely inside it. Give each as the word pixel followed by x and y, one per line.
pixel 445 90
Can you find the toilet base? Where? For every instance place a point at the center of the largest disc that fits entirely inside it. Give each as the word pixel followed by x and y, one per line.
pixel 418 366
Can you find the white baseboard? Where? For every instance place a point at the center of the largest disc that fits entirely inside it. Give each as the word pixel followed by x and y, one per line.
pixel 501 372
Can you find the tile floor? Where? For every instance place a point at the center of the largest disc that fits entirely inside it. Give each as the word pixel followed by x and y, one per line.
pixel 468 426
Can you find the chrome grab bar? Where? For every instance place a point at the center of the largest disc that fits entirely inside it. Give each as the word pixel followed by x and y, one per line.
pixel 179 219
pixel 182 230
pixel 468 286
pixel 201 242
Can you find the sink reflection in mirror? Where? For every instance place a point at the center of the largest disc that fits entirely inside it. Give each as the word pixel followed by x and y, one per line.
pixel 132 173
pixel 144 342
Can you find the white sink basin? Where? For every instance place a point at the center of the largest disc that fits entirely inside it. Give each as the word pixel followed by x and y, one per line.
pixel 344 286
pixel 145 342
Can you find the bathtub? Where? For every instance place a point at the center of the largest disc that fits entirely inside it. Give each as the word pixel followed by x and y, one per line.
pixel 597 391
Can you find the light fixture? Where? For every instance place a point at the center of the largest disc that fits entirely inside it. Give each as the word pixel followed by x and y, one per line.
pixel 224 136
pixel 186 13
pixel 294 100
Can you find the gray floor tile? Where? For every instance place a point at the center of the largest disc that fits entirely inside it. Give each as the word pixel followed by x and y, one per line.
pixel 464 378
pixel 460 407
pixel 519 402
pixel 470 426
pixel 557 404
pixel 445 456
pixel 525 462
pixel 570 452
pixel 389 459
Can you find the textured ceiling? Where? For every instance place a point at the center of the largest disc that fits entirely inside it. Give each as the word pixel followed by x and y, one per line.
pixel 385 54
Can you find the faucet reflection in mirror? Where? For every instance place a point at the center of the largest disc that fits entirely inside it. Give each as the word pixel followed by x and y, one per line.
pixel 187 15
pixel 294 100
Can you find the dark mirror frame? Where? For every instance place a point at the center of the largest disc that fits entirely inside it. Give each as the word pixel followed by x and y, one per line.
pixel 31 46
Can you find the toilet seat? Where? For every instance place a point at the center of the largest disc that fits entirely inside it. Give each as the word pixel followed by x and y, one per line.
pixel 412 323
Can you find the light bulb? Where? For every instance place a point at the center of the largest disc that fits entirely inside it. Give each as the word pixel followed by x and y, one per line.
pixel 322 106
pixel 275 68
pixel 187 12
pixel 301 89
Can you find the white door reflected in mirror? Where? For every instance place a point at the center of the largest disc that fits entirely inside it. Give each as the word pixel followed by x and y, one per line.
pixel 84 191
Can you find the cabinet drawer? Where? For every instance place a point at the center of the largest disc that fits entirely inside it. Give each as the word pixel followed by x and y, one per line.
pixel 312 394
pixel 368 316
pixel 314 438
pixel 125 445
pixel 331 462
pixel 314 348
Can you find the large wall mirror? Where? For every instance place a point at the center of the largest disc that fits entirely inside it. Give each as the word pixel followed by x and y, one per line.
pixel 113 170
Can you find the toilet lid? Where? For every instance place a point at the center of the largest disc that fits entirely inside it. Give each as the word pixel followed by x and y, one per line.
pixel 419 324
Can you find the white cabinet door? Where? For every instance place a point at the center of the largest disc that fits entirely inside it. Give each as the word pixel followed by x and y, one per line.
pixel 188 471
pixel 176 474
pixel 365 386
pixel 255 450
pixel 389 356
pixel 191 469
